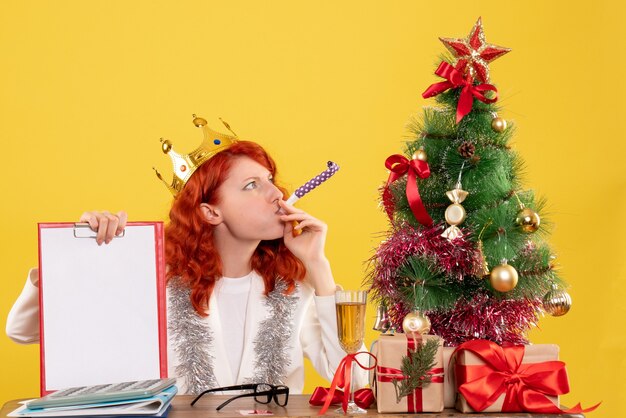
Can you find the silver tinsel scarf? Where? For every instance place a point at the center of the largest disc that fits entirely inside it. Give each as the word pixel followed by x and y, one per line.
pixel 193 340
pixel 270 344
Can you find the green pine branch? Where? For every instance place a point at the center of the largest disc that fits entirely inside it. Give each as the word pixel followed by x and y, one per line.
pixel 424 285
pixel 415 368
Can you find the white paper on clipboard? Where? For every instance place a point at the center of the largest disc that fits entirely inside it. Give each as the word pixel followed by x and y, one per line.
pixel 102 307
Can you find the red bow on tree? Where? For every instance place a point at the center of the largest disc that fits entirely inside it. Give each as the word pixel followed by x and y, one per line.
pixel 398 165
pixel 526 386
pixel 455 79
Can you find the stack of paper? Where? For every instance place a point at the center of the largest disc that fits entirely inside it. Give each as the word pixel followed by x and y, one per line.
pixel 154 406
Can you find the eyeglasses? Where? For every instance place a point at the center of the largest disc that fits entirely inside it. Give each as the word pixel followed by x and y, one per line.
pixel 262 392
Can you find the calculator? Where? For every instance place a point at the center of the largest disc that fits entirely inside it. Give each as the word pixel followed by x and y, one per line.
pixel 83 395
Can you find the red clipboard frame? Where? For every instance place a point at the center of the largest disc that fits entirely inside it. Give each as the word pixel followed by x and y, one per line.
pixel 160 283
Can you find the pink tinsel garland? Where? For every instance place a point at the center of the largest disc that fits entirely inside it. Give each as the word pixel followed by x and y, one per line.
pixel 481 316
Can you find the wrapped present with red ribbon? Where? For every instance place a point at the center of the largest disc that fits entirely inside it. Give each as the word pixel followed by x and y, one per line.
pixel 390 351
pixel 517 378
pixel 449 388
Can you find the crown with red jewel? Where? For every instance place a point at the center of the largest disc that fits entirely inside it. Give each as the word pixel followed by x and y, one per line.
pixel 185 165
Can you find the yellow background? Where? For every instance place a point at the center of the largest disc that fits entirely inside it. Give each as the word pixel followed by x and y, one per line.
pixel 87 88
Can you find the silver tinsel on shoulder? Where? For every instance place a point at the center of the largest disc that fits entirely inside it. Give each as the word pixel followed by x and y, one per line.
pixel 271 343
pixel 192 340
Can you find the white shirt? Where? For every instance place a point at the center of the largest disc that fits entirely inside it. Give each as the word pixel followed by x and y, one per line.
pixel 232 300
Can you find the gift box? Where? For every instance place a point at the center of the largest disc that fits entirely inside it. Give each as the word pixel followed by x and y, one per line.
pixel 389 351
pixel 449 388
pixel 490 378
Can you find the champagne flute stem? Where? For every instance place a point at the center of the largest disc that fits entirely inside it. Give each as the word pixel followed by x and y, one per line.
pixel 351 401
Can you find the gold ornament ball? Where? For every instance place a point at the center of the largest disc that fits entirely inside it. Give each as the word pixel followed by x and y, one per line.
pixel 498 124
pixel 420 154
pixel 416 323
pixel 557 302
pixel 503 278
pixel 528 220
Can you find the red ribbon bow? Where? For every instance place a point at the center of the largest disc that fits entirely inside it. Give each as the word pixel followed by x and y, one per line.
pixel 364 398
pixel 454 79
pixel 526 386
pixel 398 165
pixel 342 379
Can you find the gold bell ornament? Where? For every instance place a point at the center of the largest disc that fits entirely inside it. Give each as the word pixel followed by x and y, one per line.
pixel 503 277
pixel 557 302
pixel 382 322
pixel 416 322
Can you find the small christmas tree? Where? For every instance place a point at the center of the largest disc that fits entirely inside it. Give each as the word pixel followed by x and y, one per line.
pixel 466 247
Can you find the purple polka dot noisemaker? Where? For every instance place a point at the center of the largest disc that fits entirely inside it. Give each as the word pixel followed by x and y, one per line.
pixel 313 183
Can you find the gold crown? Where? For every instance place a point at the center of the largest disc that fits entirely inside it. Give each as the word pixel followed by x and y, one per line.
pixel 186 164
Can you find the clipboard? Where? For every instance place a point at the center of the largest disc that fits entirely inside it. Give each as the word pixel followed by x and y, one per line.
pixel 102 307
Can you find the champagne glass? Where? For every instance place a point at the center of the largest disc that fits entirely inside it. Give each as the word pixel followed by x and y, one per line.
pixel 351 330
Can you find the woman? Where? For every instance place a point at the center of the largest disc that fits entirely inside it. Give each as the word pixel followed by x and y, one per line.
pixel 250 290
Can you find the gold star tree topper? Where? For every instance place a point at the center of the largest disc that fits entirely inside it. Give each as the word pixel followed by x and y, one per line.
pixel 474 52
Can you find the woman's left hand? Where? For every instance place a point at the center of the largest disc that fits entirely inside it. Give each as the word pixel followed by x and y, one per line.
pixel 306 240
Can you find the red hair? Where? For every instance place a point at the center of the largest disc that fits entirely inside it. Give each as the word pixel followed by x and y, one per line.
pixel 189 249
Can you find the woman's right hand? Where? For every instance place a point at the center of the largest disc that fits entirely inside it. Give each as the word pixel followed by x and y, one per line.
pixel 105 224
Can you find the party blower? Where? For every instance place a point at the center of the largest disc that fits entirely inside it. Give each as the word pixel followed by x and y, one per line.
pixel 313 183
